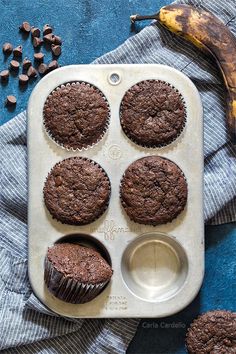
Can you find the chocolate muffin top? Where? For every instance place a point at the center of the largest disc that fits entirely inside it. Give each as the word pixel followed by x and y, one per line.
pixel 153 190
pixel 77 191
pixel 213 332
pixel 152 113
pixel 79 263
pixel 76 115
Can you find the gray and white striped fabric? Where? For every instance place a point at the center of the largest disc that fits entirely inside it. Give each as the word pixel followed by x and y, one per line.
pixel 26 326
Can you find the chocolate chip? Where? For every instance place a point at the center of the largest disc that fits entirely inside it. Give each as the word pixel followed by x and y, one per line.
pixel 37 42
pixel 17 52
pixel 7 48
pixel 39 56
pixel 42 69
pixel 49 38
pixel 56 49
pixel 14 65
pixel 57 40
pixel 23 79
pixel 26 64
pixel 35 32
pixel 4 75
pixel 47 29
pixel 25 27
pixel 10 101
pixel 32 72
pixel 58 181
pixel 53 65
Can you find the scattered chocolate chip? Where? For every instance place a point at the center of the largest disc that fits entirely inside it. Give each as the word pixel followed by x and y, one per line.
pixel 53 65
pixel 17 52
pixel 32 72
pixel 10 101
pixel 47 29
pixel 57 40
pixel 39 56
pixel 37 42
pixel 7 48
pixel 56 49
pixel 23 79
pixel 14 65
pixel 35 32
pixel 25 27
pixel 26 64
pixel 42 69
pixel 49 38
pixel 4 75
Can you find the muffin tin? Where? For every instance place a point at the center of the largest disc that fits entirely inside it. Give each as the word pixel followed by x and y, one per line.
pixel 157 270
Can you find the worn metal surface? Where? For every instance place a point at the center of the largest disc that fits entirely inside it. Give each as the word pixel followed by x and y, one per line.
pixel 174 261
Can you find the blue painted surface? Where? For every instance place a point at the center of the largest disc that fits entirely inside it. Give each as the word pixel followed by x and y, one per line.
pixel 218 292
pixel 90 28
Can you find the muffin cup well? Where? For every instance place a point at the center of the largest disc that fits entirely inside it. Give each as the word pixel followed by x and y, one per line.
pixel 83 145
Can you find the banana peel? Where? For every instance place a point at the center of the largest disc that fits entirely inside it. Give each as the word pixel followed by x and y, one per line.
pixel 209 33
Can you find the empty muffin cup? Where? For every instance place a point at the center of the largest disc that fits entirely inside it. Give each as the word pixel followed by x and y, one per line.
pixel 154 267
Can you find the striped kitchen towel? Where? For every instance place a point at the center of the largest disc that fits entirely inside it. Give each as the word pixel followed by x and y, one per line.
pixel 26 326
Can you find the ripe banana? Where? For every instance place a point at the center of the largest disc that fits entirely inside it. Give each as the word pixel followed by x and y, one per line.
pixel 208 33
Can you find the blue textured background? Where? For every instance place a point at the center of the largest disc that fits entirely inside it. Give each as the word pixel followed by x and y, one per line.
pixel 90 28
pixel 218 292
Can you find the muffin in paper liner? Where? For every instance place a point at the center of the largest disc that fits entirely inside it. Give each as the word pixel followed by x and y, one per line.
pixel 139 202
pixel 76 115
pixel 66 195
pixel 150 120
pixel 69 289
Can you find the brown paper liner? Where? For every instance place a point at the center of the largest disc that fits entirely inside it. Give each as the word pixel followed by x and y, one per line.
pixel 68 289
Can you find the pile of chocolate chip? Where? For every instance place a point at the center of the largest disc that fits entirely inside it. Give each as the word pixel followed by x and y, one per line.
pixel 28 71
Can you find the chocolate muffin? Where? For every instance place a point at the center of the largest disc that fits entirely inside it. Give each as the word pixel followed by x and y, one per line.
pixel 77 191
pixel 76 115
pixel 213 332
pixel 153 190
pixel 152 113
pixel 74 273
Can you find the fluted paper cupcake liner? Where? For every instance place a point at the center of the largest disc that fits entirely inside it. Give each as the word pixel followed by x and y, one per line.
pixel 68 289
pixel 101 211
pixel 160 145
pixel 84 146
pixel 149 224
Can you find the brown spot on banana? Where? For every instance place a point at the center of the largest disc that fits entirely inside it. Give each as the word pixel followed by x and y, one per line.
pixel 208 33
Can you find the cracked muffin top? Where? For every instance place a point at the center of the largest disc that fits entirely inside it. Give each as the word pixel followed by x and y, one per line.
pixel 153 190
pixel 76 115
pixel 77 191
pixel 81 263
pixel 213 332
pixel 152 113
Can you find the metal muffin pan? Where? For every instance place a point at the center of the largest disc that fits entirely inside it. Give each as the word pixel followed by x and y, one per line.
pixel 157 270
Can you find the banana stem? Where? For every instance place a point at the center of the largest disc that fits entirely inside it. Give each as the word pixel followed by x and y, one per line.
pixel 134 18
